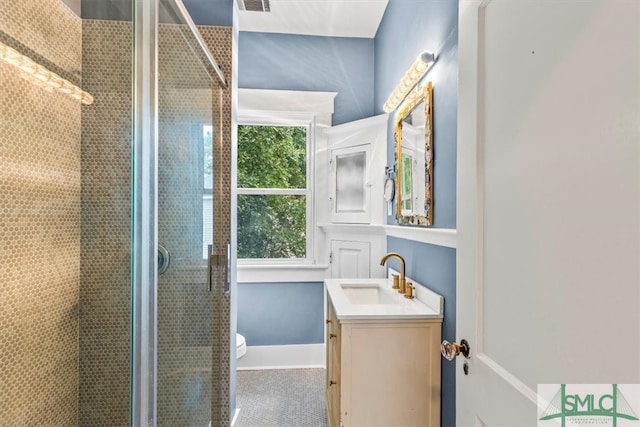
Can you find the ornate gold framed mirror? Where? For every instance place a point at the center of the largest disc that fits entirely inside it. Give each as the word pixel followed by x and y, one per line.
pixel 414 158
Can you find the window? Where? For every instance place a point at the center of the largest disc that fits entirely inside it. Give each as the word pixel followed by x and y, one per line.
pixel 207 196
pixel 274 196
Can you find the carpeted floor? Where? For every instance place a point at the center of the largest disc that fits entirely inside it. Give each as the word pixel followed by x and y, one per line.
pixel 281 398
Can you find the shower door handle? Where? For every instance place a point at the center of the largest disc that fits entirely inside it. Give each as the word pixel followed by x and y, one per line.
pixel 218 259
pixel 209 266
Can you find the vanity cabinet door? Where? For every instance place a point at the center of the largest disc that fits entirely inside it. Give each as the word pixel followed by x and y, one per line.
pixel 332 394
pixel 390 373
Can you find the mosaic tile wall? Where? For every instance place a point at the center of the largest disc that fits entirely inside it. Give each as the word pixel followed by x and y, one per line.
pixel 219 40
pixel 186 103
pixel 40 221
pixel 47 31
pixel 105 291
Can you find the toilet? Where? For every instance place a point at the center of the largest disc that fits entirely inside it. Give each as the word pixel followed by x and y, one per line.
pixel 241 346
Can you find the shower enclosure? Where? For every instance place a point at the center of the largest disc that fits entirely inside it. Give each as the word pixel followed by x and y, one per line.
pixel 93 330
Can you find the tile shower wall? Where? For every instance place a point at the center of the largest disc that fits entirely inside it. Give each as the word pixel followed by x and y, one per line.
pixel 105 291
pixel 40 220
pixel 186 311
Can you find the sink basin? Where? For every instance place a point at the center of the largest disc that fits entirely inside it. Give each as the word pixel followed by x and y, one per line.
pixel 373 299
pixel 367 294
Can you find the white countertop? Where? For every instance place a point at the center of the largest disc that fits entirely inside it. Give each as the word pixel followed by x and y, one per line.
pixel 426 305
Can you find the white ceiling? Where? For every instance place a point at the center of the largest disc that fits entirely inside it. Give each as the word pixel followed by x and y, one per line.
pixel 337 18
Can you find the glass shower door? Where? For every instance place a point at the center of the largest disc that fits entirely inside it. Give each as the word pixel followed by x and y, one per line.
pixel 193 212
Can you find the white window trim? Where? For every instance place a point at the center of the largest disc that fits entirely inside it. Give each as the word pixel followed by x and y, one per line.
pixel 280 107
pixel 273 191
pixel 320 104
pixel 278 118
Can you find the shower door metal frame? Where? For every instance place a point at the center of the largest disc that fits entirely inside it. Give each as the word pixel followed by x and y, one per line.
pixel 144 371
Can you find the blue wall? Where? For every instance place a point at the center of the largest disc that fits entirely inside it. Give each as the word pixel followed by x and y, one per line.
pixel 395 51
pixel 435 267
pixel 203 12
pixel 281 313
pixel 408 28
pixel 297 62
pixel 116 10
pixel 73 5
pixel 210 12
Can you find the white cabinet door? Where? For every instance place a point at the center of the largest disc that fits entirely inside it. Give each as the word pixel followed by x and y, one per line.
pixel 350 184
pixel 355 156
pixel 548 203
pixel 350 259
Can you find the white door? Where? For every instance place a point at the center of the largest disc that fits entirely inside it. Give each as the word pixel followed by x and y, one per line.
pixel 548 201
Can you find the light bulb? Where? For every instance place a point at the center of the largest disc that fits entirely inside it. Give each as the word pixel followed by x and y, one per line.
pixel 41 76
pixel 413 75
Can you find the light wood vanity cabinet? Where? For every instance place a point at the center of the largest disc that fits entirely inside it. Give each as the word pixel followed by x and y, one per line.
pixel 382 373
pixel 332 394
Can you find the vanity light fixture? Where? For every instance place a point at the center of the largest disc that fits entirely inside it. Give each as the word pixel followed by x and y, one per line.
pixel 413 98
pixel 41 76
pixel 413 75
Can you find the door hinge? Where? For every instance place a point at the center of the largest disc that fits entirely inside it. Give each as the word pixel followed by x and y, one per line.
pixel 330 257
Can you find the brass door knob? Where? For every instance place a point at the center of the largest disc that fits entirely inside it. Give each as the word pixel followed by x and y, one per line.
pixel 451 350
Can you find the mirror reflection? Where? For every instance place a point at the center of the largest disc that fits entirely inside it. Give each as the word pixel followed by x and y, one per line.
pixel 414 160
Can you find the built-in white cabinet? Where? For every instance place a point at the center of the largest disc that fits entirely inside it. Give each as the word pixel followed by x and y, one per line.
pixel 355 251
pixel 353 212
pixel 350 259
pixel 382 373
pixel 356 156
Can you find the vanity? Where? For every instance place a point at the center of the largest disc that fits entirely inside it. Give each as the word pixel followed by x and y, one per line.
pixel 383 354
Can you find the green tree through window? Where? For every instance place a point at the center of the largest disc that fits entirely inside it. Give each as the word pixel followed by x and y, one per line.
pixel 272 191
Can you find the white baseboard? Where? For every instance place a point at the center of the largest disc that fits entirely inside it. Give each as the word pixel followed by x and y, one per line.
pixel 283 357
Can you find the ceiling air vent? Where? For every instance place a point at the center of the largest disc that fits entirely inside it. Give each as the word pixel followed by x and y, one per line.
pixel 254 5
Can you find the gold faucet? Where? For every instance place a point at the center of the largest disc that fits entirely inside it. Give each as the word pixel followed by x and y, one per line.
pixel 401 287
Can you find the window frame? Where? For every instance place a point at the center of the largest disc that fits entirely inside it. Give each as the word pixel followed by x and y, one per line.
pixel 291 119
